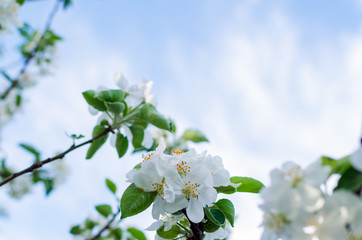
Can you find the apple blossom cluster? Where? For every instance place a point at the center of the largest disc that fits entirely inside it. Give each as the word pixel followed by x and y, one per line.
pixel 8 15
pixel 183 181
pixel 295 207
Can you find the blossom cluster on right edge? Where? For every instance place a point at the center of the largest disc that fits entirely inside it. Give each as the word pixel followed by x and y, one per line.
pixel 299 205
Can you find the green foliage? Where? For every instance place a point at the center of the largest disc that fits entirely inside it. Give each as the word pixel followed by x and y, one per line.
pixel 111 186
pixel 67 3
pixel 215 215
pixel 20 2
pixel 138 133
pixel 96 144
pixel 121 145
pixel 350 180
pixel 76 230
pixel 31 150
pixel 104 209
pixel 111 96
pixel 150 114
pixel 137 234
pixel 210 226
pixel 247 184
pixel 134 201
pixel 227 208
pixel 170 234
pixel 194 136
pixel 226 189
pixel 91 99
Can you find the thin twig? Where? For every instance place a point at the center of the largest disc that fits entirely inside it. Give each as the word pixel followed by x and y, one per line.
pixel 106 226
pixel 39 164
pixel 27 60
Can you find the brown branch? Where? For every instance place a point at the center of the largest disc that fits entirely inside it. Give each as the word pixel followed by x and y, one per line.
pixel 106 226
pixel 27 60
pixel 39 164
pixel 196 228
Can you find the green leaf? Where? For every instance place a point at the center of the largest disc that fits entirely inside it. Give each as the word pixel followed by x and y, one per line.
pixel 210 226
pixel 111 96
pixel 226 189
pixel 49 185
pixel 194 136
pixel 151 115
pixel 118 233
pixel 90 97
pixel 7 76
pixel 138 134
pixel 20 2
pixel 115 107
pixel 18 100
pixel 227 207
pixel 67 3
pixel 215 215
pixel 104 209
pixel 89 224
pixel 134 201
pixel 350 180
pixel 248 184
pixel 96 144
pixel 31 150
pixel 139 235
pixel 121 145
pixel 111 186
pixel 170 234
pixel 75 230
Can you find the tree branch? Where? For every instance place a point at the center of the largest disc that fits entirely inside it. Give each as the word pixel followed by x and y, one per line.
pixel 39 164
pixel 196 228
pixel 27 60
pixel 106 226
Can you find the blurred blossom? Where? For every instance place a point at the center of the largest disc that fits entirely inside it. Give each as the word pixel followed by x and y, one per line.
pixel 8 15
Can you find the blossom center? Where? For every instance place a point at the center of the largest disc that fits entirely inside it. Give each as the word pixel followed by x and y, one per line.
pixel 191 190
pixel 177 151
pixel 158 187
pixel 183 168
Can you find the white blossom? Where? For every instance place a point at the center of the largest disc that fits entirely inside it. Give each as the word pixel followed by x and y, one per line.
pixel 8 15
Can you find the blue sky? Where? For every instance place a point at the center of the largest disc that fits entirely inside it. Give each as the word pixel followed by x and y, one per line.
pixel 266 81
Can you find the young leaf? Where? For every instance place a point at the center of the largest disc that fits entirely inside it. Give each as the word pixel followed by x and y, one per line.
pixel 194 136
pixel 248 184
pixel 134 201
pixel 115 107
pixel 215 215
pixel 95 145
pixel 49 185
pixel 89 224
pixel 170 234
pixel 117 233
pixel 226 189
pixel 210 226
pixel 227 207
pixel 350 180
pixel 104 209
pixel 138 133
pixel 139 235
pixel 151 115
pixel 121 144
pixel 90 97
pixel 111 96
pixel 111 186
pixel 67 3
pixel 75 230
pixel 31 149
